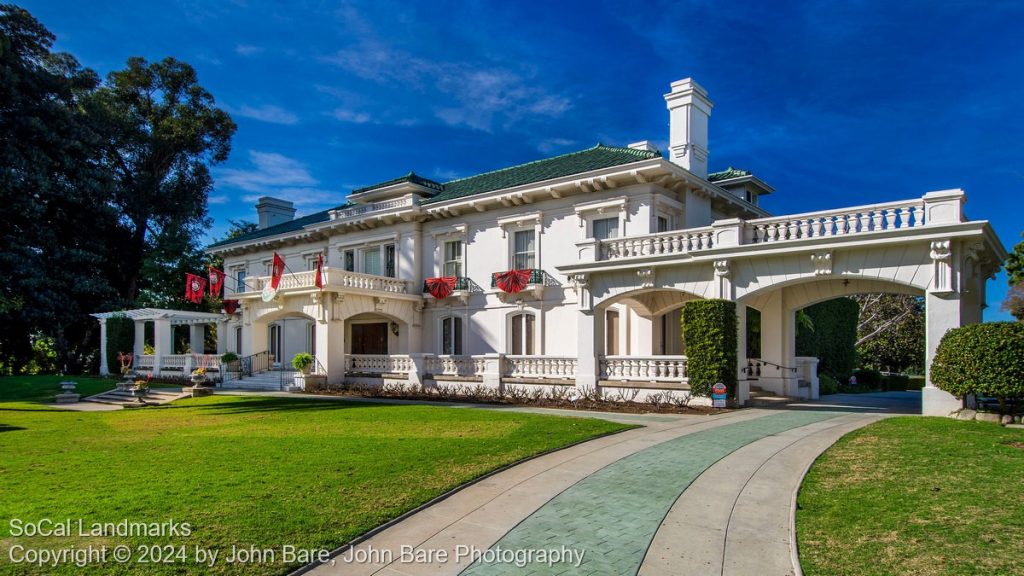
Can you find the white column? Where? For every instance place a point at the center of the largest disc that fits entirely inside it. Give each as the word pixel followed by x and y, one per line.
pixel 742 386
pixel 942 313
pixel 643 335
pixel 586 341
pixel 197 338
pixel 778 345
pixel 140 337
pixel 104 368
pixel 330 349
pixel 163 343
pixel 222 337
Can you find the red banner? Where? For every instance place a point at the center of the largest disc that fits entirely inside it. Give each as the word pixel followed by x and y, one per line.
pixel 216 281
pixel 513 281
pixel 194 288
pixel 319 278
pixel 441 287
pixel 276 271
pixel 230 306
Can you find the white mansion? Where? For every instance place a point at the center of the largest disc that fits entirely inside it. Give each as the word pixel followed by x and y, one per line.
pixel 615 240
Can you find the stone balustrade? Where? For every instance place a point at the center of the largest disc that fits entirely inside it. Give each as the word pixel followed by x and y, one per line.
pixel 561 367
pixel 676 242
pixel 644 369
pixel 333 278
pixel 379 363
pixel 832 223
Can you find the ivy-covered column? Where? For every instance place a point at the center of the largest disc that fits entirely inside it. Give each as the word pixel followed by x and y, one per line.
pixel 709 329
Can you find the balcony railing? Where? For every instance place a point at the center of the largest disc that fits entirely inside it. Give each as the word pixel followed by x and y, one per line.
pixel 536 277
pixel 873 218
pixel 644 369
pixel 333 278
pixel 841 223
pixel 363 209
pixel 461 284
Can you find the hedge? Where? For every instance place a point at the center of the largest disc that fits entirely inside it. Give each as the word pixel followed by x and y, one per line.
pixel 709 330
pixel 120 338
pixel 833 339
pixel 982 359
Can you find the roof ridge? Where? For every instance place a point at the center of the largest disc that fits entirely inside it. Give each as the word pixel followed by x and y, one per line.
pixel 634 151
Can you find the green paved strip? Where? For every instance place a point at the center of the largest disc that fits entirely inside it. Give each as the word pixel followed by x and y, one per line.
pixel 612 515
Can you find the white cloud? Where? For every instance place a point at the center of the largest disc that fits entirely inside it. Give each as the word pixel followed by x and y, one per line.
pixel 268 113
pixel 475 95
pixel 219 199
pixel 273 174
pixel 270 171
pixel 551 144
pixel 352 116
pixel 248 49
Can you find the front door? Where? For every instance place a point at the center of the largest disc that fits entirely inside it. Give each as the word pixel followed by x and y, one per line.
pixel 274 343
pixel 370 338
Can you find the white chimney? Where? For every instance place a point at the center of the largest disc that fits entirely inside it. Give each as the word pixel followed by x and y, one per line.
pixel 689 110
pixel 274 211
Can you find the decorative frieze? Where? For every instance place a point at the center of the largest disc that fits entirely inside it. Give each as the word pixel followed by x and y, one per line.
pixel 723 279
pixel 942 265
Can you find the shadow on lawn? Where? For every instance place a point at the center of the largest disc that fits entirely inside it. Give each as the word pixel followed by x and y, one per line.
pixel 6 428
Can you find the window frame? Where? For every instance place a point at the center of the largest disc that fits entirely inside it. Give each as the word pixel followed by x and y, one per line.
pixel 457 326
pixel 531 254
pixel 594 222
pixel 526 340
pixel 458 263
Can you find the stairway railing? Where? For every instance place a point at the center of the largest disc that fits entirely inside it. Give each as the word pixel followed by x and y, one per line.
pixel 255 363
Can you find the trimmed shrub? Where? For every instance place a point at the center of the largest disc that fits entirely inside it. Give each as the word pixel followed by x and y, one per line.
pixel 983 359
pixel 833 339
pixel 120 338
pixel 895 382
pixel 867 378
pixel 709 330
pixel 827 384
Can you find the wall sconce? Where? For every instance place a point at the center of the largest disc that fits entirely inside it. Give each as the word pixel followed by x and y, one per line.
pixel 394 328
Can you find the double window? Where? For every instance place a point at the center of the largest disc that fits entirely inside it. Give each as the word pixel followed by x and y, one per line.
pixel 452 258
pixel 381 260
pixel 451 335
pixel 522 334
pixel 524 251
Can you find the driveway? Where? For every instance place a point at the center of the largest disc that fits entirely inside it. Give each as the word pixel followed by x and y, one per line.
pixel 686 494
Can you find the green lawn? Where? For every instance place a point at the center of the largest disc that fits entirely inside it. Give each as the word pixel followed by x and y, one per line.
pixel 244 470
pixel 916 496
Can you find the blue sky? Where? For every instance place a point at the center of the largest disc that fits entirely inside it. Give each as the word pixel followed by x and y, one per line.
pixel 834 104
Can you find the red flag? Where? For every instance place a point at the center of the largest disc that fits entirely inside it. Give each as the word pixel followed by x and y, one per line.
pixel 441 287
pixel 194 288
pixel 319 278
pixel 216 281
pixel 512 281
pixel 276 270
pixel 230 306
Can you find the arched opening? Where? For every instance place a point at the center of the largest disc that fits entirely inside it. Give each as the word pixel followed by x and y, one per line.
pixel 792 332
pixel 642 323
pixel 282 335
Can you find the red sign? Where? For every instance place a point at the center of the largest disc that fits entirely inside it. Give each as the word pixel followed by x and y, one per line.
pixel 718 389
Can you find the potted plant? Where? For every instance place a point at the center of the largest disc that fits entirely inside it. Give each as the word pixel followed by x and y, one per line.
pixel 198 376
pixel 141 387
pixel 228 358
pixel 303 362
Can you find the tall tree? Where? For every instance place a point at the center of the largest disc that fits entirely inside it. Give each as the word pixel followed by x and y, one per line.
pixel 164 134
pixel 1015 265
pixel 890 331
pixel 1014 302
pixel 55 226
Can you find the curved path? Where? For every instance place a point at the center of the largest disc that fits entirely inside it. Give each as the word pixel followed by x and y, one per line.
pixel 683 495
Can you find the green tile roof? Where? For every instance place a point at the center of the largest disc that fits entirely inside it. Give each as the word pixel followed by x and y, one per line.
pixel 728 173
pixel 411 177
pixel 596 158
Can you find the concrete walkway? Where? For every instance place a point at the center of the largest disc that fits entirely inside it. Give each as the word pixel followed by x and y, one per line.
pixel 686 494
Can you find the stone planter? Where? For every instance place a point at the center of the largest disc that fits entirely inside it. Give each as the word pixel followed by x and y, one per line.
pixel 69 396
pixel 199 391
pixel 198 380
pixel 139 393
pixel 309 382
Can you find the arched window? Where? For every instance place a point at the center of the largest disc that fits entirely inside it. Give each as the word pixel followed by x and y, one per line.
pixel 451 335
pixel 522 334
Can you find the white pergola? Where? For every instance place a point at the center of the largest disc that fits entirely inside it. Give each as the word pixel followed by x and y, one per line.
pixel 163 321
